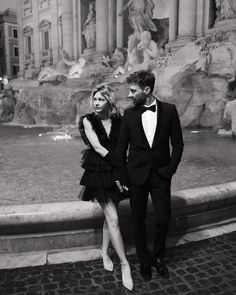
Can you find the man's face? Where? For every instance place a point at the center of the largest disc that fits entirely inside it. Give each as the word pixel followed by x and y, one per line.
pixel 137 95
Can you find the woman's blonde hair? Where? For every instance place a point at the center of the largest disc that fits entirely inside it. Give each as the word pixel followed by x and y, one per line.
pixel 108 93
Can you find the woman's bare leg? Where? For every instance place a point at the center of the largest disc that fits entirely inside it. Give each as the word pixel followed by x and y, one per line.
pixel 105 238
pixel 110 212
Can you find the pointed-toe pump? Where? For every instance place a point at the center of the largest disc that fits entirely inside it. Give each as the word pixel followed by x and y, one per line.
pixel 127 280
pixel 107 263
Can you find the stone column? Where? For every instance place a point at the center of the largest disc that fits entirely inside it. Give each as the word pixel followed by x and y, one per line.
pixel 54 32
pixel 187 19
pixel 119 24
pixel 102 26
pixel 173 19
pixel 111 25
pixel 20 39
pixel 206 15
pixel 67 26
pixel 75 32
pixel 37 40
pixel 79 28
pixel 200 18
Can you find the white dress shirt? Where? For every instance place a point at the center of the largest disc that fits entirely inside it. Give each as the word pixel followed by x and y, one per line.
pixel 149 121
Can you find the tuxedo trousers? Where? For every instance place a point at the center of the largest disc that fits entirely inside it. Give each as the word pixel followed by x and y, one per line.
pixel 159 189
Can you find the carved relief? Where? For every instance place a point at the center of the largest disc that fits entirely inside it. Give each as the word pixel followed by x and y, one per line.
pixel 27 7
pixel 44 4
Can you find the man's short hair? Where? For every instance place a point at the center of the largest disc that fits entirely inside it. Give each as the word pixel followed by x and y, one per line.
pixel 142 79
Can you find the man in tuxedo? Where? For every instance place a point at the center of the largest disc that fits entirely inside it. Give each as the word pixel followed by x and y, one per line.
pixel 148 128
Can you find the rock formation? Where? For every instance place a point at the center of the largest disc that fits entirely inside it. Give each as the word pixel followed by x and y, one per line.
pixel 196 79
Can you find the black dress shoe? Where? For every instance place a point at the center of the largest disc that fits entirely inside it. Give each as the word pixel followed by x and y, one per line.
pixel 161 268
pixel 146 271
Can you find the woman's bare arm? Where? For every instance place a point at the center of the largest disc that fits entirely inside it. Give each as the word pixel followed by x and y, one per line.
pixel 93 139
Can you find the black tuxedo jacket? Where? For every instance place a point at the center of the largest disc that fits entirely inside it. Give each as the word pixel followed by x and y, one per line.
pixel 141 157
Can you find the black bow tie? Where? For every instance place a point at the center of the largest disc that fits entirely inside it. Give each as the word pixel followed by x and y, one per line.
pixel 151 108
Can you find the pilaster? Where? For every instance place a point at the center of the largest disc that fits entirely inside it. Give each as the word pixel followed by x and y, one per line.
pixel 200 18
pixel 67 26
pixel 20 38
pixel 54 31
pixel 187 19
pixel 75 33
pixel 102 26
pixel 173 19
pixel 111 25
pixel 37 45
pixel 119 24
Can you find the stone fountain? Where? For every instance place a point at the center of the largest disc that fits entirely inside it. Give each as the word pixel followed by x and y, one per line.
pixel 196 78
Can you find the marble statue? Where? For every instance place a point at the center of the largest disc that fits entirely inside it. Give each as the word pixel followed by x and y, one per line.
pixel 149 48
pixel 226 9
pixel 65 69
pixel 142 54
pixel 134 56
pixel 140 15
pixel 76 68
pixel 118 58
pixel 52 73
pixel 89 27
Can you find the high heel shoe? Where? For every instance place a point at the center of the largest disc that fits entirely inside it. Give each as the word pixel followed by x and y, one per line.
pixel 107 263
pixel 127 280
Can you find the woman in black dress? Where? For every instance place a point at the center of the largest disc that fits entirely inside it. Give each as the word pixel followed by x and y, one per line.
pixel 100 131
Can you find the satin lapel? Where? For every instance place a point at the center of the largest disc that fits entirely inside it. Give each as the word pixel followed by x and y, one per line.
pixel 139 113
pixel 158 122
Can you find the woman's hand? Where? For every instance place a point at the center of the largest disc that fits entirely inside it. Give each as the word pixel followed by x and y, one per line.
pixel 121 188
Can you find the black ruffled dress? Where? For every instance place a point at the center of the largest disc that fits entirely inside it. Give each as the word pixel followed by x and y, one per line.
pixel 98 175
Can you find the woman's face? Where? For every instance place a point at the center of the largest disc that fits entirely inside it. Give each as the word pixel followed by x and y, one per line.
pixel 100 104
